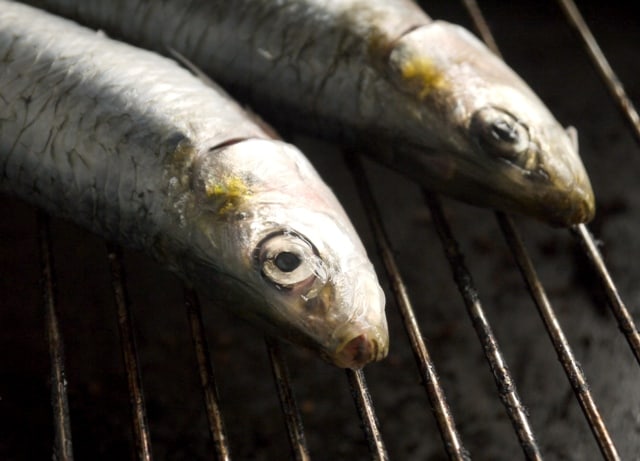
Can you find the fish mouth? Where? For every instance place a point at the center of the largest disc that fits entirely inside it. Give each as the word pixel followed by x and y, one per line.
pixel 358 351
pixel 575 207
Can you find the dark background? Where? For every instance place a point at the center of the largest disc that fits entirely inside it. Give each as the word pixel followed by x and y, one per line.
pixel 537 42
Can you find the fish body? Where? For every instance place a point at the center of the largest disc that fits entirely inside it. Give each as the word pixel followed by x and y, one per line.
pixel 134 147
pixel 423 96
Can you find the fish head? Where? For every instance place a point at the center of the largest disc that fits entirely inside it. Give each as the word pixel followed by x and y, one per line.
pixel 289 251
pixel 479 133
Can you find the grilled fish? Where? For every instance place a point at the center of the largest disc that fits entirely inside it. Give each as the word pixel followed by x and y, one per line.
pixel 423 96
pixel 134 147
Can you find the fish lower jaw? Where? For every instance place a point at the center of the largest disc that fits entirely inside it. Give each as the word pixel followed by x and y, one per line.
pixel 357 352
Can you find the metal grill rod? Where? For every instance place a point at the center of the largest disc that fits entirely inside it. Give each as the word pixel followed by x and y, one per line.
pixel 444 418
pixel 580 232
pixel 364 404
pixel 611 80
pixel 207 377
pixel 288 404
pixel 142 439
pixel 620 311
pixel 62 445
pixel 504 382
pixel 565 355
pixel 481 25
pixel 572 369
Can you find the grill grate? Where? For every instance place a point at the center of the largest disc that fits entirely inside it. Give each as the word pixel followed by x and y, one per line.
pixel 214 414
pixel 373 431
pixel 62 440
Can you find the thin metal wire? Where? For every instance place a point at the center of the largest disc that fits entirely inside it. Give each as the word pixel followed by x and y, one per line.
pixel 141 437
pixel 581 233
pixel 293 419
pixel 364 404
pixel 62 445
pixel 207 377
pixel 481 25
pixel 571 366
pixel 569 363
pixel 601 63
pixel 620 311
pixel 444 418
pixel 504 382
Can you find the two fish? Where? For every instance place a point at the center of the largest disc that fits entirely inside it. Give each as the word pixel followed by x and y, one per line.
pixel 422 96
pixel 133 147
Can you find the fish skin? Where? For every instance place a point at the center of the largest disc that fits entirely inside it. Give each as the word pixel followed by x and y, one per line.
pixel 415 93
pixel 135 148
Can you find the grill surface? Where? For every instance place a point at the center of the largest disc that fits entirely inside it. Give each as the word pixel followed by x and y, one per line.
pixel 516 401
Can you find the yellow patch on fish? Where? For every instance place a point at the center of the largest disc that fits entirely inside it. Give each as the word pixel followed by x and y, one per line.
pixel 183 151
pixel 422 72
pixel 228 193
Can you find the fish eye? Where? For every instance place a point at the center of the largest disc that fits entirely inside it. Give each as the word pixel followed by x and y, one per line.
pixel 287 260
pixel 501 134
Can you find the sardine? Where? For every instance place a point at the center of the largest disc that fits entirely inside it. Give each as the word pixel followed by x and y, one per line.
pixel 134 147
pixel 423 96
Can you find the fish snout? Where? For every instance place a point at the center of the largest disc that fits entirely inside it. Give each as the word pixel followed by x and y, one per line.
pixel 570 199
pixel 573 206
pixel 584 206
pixel 356 352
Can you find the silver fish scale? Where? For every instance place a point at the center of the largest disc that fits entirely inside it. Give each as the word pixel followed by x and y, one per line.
pixel 99 109
pixel 266 51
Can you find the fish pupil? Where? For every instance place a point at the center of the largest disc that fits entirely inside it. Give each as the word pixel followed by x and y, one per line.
pixel 504 131
pixel 287 261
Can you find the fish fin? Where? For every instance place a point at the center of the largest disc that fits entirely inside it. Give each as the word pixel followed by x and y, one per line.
pixel 573 136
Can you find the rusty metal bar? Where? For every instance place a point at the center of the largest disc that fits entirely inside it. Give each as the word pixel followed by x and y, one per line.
pixel 129 352
pixel 504 382
pixel 580 232
pixel 62 444
pixel 565 355
pixel 444 418
pixel 572 368
pixel 290 410
pixel 481 25
pixel 620 311
pixel 611 80
pixel 364 404
pixel 207 377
